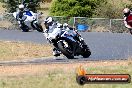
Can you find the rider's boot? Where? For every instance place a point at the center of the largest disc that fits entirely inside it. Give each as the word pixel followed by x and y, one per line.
pixel 56 52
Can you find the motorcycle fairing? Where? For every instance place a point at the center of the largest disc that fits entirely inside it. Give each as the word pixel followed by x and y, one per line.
pixel 28 13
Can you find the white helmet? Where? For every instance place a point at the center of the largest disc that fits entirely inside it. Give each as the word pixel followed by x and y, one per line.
pixel 126 10
pixel 49 19
pixel 21 6
pixel 65 25
pixel 59 25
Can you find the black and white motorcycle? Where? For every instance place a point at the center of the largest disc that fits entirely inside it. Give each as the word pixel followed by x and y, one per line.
pixel 67 44
pixel 29 21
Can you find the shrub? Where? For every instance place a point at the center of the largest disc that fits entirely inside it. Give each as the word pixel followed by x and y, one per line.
pixel 11 5
pixel 82 8
pixel 111 9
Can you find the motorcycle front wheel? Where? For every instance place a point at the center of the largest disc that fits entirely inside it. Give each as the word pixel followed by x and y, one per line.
pixel 65 49
pixel 25 28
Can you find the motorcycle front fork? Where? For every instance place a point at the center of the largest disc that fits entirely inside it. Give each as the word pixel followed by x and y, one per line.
pixel 32 24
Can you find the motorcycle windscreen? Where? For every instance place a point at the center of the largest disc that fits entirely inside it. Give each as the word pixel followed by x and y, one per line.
pixel 29 13
pixel 24 18
pixel 70 37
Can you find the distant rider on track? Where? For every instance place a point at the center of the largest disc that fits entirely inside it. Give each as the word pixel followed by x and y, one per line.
pixel 50 26
pixel 128 19
pixel 20 15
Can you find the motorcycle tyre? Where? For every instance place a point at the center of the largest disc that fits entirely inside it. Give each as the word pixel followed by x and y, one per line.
pixel 86 52
pixel 64 51
pixel 25 29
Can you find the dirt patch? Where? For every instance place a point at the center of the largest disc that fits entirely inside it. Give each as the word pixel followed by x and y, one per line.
pixel 5 24
pixel 100 29
pixel 2 10
pixel 44 8
pixel 23 50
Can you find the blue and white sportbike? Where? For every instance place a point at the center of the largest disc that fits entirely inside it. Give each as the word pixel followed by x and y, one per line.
pixel 28 21
pixel 67 44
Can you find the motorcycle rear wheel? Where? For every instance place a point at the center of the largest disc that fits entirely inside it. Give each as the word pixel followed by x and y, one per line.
pixel 86 52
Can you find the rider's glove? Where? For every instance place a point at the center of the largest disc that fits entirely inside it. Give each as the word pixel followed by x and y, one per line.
pixel 46 35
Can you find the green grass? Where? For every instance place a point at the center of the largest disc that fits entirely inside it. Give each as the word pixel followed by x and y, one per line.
pixel 63 79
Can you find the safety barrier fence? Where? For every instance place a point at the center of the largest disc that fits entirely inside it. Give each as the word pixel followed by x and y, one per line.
pixel 7 21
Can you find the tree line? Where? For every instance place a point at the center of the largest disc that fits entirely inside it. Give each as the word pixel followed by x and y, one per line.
pixel 73 8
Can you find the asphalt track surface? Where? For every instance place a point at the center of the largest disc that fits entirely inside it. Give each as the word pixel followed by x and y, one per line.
pixel 104 46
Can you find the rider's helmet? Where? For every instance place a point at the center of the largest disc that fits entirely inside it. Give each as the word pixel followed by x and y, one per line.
pixel 126 12
pixel 59 25
pixel 21 7
pixel 48 22
pixel 65 25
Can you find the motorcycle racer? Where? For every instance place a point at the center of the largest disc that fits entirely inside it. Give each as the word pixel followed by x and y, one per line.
pixel 50 28
pixel 20 14
pixel 27 19
pixel 128 19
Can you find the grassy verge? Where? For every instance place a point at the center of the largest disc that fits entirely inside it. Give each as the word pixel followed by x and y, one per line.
pixel 20 50
pixel 60 75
